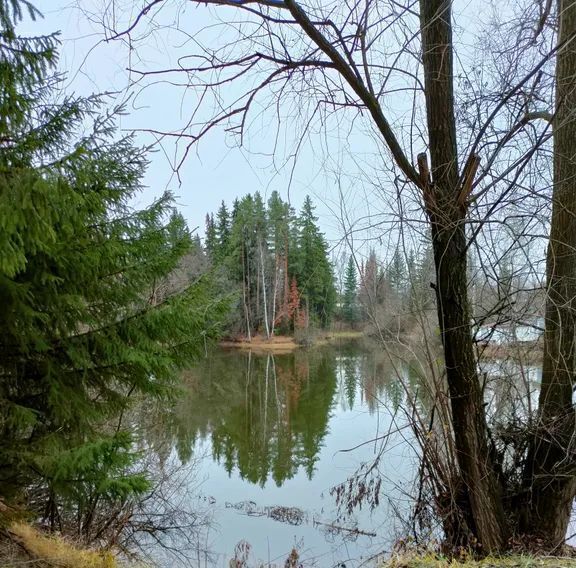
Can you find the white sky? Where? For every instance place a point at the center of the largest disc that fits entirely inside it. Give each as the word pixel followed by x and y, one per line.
pixel 216 170
pixel 343 157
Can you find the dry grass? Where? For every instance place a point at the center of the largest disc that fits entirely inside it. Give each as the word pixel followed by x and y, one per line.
pixel 280 344
pixel 276 345
pixel 29 547
pixel 343 335
pixel 335 336
pixel 514 561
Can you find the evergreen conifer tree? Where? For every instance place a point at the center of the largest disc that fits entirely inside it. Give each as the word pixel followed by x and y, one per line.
pixel 349 299
pixel 222 232
pixel 396 273
pixel 211 239
pixel 81 330
pixel 314 271
pixel 278 241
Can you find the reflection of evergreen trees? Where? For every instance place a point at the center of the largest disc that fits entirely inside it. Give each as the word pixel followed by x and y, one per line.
pixel 350 379
pixel 265 415
pixel 371 376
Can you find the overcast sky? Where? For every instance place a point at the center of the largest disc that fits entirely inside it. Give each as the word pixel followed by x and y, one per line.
pixel 217 169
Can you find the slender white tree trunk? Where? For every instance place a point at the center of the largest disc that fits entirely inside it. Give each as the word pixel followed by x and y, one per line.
pixel 264 301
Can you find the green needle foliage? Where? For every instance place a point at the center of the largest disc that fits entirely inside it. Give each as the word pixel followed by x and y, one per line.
pixel 81 328
pixel 350 297
pixel 279 261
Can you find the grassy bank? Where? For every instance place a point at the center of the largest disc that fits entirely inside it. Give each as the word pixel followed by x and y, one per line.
pixel 280 344
pixel 515 561
pixel 349 334
pixel 22 544
pixel 259 344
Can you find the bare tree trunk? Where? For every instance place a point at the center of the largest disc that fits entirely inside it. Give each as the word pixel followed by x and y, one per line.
pixel 264 300
pixel 286 279
pixel 445 198
pixel 246 310
pixel 257 307
pixel 551 475
pixel 274 294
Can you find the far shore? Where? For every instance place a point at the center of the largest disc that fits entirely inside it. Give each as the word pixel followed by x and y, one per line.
pixel 279 344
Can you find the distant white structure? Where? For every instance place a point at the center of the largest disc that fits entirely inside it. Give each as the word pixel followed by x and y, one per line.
pixel 511 333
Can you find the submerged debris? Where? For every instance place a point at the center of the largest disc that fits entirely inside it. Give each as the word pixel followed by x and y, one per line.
pixel 290 515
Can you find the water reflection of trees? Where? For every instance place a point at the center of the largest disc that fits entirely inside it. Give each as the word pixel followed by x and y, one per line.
pixel 372 378
pixel 266 416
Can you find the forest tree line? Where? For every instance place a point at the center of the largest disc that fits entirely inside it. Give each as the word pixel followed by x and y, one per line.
pixel 280 266
pixel 278 262
pixel 385 293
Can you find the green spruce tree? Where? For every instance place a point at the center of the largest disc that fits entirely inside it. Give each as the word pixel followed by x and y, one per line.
pixel 314 271
pixel 396 274
pixel 81 330
pixel 222 233
pixel 211 239
pixel 278 214
pixel 350 296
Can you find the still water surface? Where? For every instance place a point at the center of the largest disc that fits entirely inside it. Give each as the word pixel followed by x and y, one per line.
pixel 266 437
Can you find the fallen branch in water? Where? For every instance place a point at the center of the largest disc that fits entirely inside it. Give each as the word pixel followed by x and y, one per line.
pixel 346 529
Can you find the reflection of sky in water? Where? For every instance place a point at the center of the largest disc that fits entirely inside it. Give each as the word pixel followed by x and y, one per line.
pixel 511 388
pixel 506 378
pixel 509 368
pixel 353 416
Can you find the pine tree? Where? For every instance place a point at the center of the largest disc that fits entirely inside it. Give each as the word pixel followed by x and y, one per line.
pixel 425 278
pixel 349 299
pixel 211 240
pixel 313 269
pixel 222 233
pixel 259 213
pixel 373 289
pixel 241 261
pixel 80 332
pixel 396 273
pixel 278 238
pixel 261 263
pixel 234 213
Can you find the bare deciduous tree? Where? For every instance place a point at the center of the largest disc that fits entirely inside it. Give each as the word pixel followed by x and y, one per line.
pixel 474 159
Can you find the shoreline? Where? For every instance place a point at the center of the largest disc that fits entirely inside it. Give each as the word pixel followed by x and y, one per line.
pixel 283 344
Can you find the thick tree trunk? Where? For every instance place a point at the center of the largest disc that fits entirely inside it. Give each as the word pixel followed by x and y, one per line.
pixel 551 472
pixel 445 199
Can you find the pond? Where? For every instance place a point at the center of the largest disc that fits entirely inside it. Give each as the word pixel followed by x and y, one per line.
pixel 264 440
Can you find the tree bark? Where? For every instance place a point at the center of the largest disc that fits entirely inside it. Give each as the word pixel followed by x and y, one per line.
pixel 445 201
pixel 551 471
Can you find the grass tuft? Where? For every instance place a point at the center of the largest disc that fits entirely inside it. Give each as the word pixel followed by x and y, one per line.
pixel 55 552
pixel 513 561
